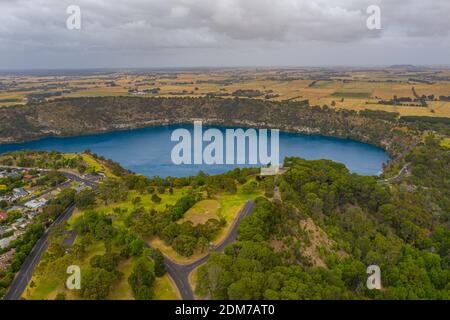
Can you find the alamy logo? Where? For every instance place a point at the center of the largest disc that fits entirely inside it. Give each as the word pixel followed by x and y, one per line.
pixel 374 280
pixel 73 282
pixel 373 22
pixel 73 22
pixel 231 149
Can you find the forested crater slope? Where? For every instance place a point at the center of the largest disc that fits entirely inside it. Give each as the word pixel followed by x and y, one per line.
pixel 78 116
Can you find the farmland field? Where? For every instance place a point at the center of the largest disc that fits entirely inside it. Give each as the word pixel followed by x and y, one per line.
pixel 354 89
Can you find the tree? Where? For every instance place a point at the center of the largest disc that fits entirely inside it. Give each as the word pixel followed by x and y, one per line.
pixel 51 212
pixel 3 204
pixel 81 168
pixel 249 187
pixel 136 201
pixel 161 189
pixel 314 204
pixel 85 199
pixel 182 205
pixel 60 296
pixel 97 283
pixel 142 279
pixel 156 198
pixel 158 259
pixel 108 261
pixel 136 247
pixel 184 245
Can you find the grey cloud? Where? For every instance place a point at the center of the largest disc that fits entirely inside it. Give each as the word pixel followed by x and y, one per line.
pixel 146 28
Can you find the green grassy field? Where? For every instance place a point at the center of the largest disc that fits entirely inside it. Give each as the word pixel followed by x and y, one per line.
pixel 202 211
pixel 146 201
pixel 122 290
pixel 45 285
pixel 226 206
pixel 446 143
pixel 165 289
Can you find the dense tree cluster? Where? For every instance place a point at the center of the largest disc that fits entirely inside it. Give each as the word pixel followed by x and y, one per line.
pixel 41 159
pixel 97 283
pixel 85 199
pixel 184 237
pixel 142 278
pixel 402 228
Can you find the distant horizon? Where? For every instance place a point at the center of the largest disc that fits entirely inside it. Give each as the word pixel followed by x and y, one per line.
pixel 203 68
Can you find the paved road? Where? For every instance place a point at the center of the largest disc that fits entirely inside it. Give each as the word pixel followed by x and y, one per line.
pixel 68 174
pixel 180 273
pixel 25 273
pixel 404 171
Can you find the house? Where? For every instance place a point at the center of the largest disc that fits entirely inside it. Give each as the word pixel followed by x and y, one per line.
pixel 16 208
pixel 36 204
pixel 13 174
pixel 24 225
pixel 32 214
pixel 19 192
pixel 5 230
pixel 20 225
pixel 3 215
pixel 4 243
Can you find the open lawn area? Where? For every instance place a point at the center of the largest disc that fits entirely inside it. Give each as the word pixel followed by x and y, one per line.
pixel 128 206
pixel 47 283
pixel 202 211
pixel 93 165
pixel 226 206
pixel 165 289
pixel 122 290
pixel 146 201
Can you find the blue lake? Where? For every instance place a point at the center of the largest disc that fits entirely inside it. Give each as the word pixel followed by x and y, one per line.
pixel 148 151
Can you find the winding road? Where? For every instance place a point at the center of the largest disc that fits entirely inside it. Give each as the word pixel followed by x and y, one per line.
pixel 403 172
pixel 180 272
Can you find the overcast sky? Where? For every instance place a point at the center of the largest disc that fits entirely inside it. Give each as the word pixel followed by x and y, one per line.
pixel 192 33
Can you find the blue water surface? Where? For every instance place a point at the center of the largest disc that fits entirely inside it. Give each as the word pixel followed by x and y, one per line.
pixel 148 151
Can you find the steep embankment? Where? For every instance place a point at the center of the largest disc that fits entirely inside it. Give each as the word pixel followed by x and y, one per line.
pixel 68 117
